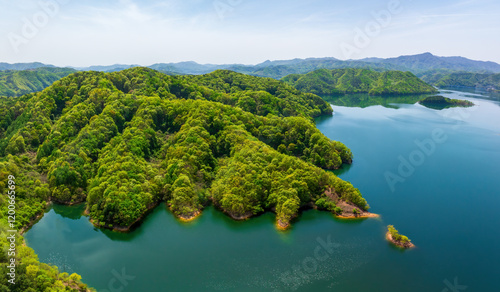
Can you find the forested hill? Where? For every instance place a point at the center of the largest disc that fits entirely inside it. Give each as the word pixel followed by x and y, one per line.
pixel 17 83
pixel 341 81
pixel 260 95
pixel 421 63
pixel 125 141
pixel 486 81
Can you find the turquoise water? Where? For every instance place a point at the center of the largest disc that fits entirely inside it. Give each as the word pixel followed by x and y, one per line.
pixel 446 202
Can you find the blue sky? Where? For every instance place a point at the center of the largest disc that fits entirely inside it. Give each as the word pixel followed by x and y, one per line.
pixel 90 32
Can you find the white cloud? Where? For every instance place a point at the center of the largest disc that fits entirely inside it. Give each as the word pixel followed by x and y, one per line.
pixel 145 32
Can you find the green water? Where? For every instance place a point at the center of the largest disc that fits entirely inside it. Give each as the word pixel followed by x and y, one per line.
pixel 447 206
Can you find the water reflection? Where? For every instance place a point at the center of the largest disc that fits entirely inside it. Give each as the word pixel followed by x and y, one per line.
pixel 71 212
pixel 476 93
pixel 364 100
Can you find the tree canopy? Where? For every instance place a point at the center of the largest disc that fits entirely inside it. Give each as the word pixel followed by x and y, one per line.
pixel 326 82
pixel 125 141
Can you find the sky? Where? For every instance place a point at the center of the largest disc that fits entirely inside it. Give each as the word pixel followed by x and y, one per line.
pixel 105 32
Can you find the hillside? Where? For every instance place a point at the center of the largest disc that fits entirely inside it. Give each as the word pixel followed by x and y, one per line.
pixel 341 81
pixel 17 83
pixel 425 62
pixel 261 96
pixel 126 141
pixel 23 66
pixel 489 82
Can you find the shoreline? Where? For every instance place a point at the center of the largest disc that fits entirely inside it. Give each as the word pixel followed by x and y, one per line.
pixel 37 217
pixel 282 226
pixel 363 215
pixel 34 220
pixel 128 228
pixel 190 218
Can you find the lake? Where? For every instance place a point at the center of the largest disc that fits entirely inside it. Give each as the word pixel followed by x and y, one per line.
pixel 433 174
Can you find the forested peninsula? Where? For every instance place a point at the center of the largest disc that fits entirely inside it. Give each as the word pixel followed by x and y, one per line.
pixel 125 141
pixel 326 82
pixel 480 81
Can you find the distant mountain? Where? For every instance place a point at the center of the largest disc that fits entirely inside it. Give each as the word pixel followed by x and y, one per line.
pixel 302 66
pixel 17 83
pixel 427 61
pixel 325 82
pixel 295 61
pixel 23 66
pixel 274 69
pixel 417 64
pixel 110 68
pixel 192 68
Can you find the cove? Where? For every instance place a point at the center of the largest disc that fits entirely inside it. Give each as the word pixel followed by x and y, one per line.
pixel 447 206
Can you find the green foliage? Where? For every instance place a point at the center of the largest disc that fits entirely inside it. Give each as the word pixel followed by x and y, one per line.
pixel 325 82
pixel 280 69
pixel 16 145
pixel 261 96
pixel 31 275
pixel 396 236
pixel 17 83
pixel 31 195
pixel 326 204
pixel 446 78
pixel 338 210
pixel 32 192
pixel 124 141
pixel 441 102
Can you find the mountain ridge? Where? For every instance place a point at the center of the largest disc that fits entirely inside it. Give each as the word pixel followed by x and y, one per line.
pixel 416 64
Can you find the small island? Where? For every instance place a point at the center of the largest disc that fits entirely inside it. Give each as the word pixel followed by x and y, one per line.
pixel 441 102
pixel 397 239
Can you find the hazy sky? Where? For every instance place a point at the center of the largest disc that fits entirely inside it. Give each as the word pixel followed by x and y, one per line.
pixel 104 32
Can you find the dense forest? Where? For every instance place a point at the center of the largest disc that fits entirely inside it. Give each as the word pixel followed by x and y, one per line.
pixel 125 141
pixel 341 81
pixel 484 81
pixel 31 194
pixel 334 77
pixel 17 83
